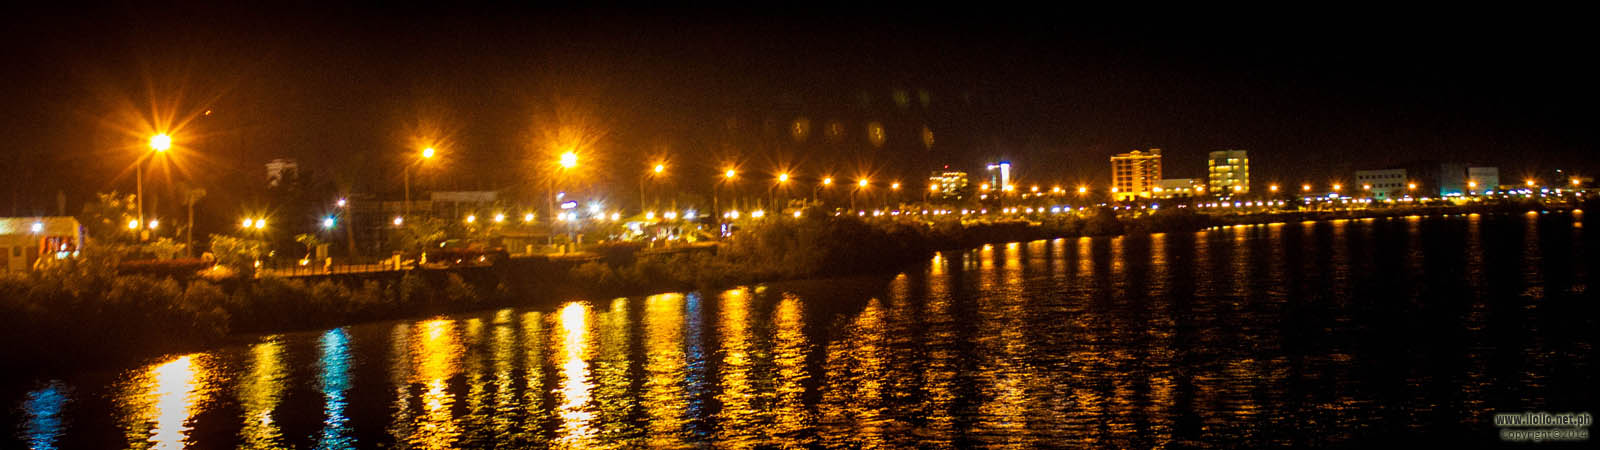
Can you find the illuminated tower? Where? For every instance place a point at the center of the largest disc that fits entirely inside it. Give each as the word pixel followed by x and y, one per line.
pixel 1135 174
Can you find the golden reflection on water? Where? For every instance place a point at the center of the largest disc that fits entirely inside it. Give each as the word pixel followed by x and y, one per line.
pixel 259 394
pixel 157 403
pixel 665 367
pixel 506 410
pixel 611 376
pixel 533 359
pixel 576 429
pixel 793 419
pixel 742 421
pixel 436 353
pixel 853 405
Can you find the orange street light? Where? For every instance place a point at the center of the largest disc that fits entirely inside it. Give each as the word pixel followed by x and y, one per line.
pixel 1305 188
pixel 160 142
pixel 660 168
pixel 569 159
pixel 1273 188
pixel 894 185
pixel 1082 190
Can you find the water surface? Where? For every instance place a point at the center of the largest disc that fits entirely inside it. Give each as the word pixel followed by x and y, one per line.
pixel 1292 334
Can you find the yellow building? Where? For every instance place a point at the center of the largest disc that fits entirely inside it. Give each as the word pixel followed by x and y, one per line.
pixel 1229 172
pixel 1135 174
pixel 23 240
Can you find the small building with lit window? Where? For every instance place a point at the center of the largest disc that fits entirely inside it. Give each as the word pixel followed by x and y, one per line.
pixel 24 240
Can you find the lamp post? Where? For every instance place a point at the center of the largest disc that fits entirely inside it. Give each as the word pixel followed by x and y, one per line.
pixel 716 199
pixel 826 181
pixel 654 172
pixel 427 154
pixel 781 181
pixel 860 185
pixel 159 143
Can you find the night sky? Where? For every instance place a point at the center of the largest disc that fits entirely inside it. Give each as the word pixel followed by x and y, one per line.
pixel 348 91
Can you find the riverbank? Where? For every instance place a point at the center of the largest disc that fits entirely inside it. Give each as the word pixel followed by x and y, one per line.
pixel 84 311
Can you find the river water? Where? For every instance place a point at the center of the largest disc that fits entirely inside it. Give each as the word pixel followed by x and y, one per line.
pixel 1290 334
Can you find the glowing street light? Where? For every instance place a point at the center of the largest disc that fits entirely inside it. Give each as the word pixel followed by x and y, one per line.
pixel 398 221
pixel 1530 183
pixel 660 168
pixel 862 183
pixel 569 159
pixel 894 185
pixel 498 218
pixel 160 142
pixel 426 155
pixel 1273 188
pixel 783 178
pixel 134 224
pixel 1336 187
pixel 527 217
pixel 154 223
pixel 1411 186
pixel 1083 190
pixel 1305 188
pixel 1472 184
pixel 327 223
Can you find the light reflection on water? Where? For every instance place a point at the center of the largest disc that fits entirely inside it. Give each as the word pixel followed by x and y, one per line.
pixel 1283 334
pixel 157 403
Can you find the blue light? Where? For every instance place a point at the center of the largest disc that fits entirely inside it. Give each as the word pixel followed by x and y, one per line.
pixel 334 380
pixel 44 407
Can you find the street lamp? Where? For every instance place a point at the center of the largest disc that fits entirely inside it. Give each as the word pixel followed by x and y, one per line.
pixel 826 181
pixel 860 185
pixel 159 143
pixel 716 199
pixel 654 172
pixel 427 154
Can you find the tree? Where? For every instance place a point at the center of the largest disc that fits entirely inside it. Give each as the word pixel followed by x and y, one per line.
pixel 239 254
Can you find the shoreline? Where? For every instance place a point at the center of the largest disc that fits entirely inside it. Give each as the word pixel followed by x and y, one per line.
pixel 200 314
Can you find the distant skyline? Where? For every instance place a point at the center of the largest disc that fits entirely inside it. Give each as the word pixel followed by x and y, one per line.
pixel 348 89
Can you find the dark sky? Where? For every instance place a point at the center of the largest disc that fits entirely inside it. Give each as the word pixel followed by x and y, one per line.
pixel 346 91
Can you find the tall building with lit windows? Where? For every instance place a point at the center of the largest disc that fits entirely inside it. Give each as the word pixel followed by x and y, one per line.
pixel 1229 172
pixel 951 184
pixel 1135 174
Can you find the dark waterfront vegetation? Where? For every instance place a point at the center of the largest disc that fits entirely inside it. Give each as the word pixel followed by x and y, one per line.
pixel 1352 331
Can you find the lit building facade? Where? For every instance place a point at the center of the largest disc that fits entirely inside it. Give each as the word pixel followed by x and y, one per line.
pixel 1135 174
pixel 1382 184
pixel 951 184
pixel 24 240
pixel 1228 172
pixel 1179 187
pixel 1482 178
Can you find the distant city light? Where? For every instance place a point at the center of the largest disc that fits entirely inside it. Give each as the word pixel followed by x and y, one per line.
pixel 341 203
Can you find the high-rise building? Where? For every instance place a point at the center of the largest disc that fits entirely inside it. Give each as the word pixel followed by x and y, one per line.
pixel 1480 178
pixel 1229 172
pixel 950 183
pixel 1135 174
pixel 999 175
